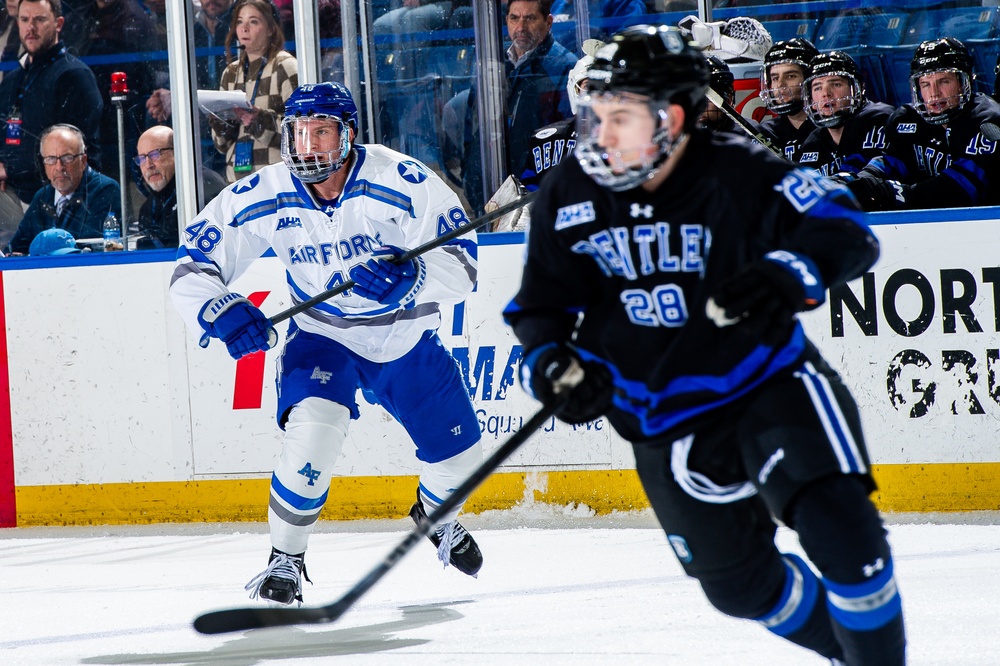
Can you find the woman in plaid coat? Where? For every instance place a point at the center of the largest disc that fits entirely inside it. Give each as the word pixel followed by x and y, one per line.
pixel 252 139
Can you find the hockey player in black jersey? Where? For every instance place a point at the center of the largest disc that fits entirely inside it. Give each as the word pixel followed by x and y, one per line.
pixel 781 77
pixel 937 156
pixel 664 270
pixel 722 81
pixel 850 129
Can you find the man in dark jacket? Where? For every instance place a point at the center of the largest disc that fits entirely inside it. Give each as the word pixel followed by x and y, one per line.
pixel 77 198
pixel 51 87
pixel 536 70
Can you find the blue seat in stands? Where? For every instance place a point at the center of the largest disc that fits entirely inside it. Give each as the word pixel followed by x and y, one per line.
pixel 964 23
pixel 791 28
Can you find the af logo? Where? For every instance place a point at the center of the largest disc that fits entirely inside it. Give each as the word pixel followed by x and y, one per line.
pixel 411 172
pixel 246 184
pixel 322 376
pixel 310 473
pixel 645 211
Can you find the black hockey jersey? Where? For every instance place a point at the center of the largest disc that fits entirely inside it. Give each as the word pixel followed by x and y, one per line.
pixel 640 266
pixel 548 147
pixel 784 136
pixel 862 140
pixel 947 166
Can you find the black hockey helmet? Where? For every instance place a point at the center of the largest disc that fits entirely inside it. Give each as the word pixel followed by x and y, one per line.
pixel 655 61
pixel 721 78
pixel 833 63
pixel 796 51
pixel 942 55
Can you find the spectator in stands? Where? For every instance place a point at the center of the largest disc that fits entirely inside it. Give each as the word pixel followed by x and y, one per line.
pixel 157 223
pixel 117 28
pixel 50 87
pixel 942 150
pixel 10 41
pixel 785 68
pixel 850 129
pixel 536 71
pixel 77 198
pixel 252 139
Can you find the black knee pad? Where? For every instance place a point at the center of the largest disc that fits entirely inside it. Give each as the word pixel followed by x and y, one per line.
pixel 750 590
pixel 840 529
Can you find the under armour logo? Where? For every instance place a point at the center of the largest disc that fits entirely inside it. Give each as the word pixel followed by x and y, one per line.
pixel 323 377
pixel 872 569
pixel 457 430
pixel 312 474
pixel 645 211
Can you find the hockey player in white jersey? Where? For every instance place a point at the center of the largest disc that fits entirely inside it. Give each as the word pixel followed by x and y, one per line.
pixel 336 211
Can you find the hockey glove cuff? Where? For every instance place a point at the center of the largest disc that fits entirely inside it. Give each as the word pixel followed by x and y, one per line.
pixel 550 371
pixel 238 323
pixel 384 280
pixel 767 294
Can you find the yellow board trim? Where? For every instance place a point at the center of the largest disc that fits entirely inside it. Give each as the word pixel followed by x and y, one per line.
pixel 902 488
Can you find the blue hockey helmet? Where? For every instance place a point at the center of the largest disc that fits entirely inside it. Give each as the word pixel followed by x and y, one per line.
pixel 306 149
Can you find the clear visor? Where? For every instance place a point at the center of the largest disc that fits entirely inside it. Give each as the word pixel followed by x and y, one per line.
pixel 314 147
pixel 828 104
pixel 778 98
pixel 939 95
pixel 622 138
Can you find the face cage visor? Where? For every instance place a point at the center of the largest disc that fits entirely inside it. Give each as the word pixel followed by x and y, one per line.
pixel 850 104
pixel 625 168
pixel 314 147
pixel 783 100
pixel 955 103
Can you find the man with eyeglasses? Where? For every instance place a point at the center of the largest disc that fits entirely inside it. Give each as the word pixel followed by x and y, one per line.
pixel 158 214
pixel 77 198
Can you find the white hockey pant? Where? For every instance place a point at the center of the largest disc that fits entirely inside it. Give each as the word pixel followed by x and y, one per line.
pixel 314 438
pixel 438 480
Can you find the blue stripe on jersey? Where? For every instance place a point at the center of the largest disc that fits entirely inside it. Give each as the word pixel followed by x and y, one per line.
pixel 761 364
pixel 386 195
pixel 512 308
pixel 271 207
pixel 469 246
pixel 973 170
pixel 195 255
pixel 829 208
pixel 865 606
pixel 834 424
pixel 895 166
pixel 296 501
pixel 337 312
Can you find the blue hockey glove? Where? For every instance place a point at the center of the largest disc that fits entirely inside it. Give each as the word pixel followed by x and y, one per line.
pixel 238 323
pixel 549 371
pixel 876 194
pixel 383 280
pixel 767 294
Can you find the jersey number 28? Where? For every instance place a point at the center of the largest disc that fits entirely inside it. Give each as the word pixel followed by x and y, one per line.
pixel 663 306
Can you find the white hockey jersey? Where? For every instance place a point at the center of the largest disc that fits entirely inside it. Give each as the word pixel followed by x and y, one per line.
pixel 388 199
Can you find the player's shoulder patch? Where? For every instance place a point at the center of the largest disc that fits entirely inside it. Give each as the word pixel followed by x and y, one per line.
pixel 246 184
pixel 412 172
pixel 546 132
pixel 809 157
pixel 570 216
pixel 906 128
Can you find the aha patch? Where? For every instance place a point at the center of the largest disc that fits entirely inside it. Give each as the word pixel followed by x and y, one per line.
pixel 570 216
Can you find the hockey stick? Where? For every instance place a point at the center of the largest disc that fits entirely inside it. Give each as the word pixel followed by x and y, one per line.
pixel 744 124
pixel 241 619
pixel 409 254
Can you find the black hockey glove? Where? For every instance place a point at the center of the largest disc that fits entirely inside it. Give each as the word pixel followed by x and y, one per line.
pixel 876 194
pixel 767 294
pixel 549 371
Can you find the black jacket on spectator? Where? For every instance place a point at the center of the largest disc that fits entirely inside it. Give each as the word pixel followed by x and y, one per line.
pixel 55 88
pixel 158 219
pixel 83 215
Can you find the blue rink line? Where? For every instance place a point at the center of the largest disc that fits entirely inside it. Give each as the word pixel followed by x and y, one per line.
pixel 73 638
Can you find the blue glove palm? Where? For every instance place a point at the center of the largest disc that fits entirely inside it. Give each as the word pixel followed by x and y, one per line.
pixel 383 280
pixel 239 324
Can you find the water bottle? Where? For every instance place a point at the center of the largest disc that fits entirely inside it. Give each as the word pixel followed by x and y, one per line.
pixel 112 233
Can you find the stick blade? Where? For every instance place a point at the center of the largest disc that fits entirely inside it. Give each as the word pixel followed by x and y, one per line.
pixel 243 619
